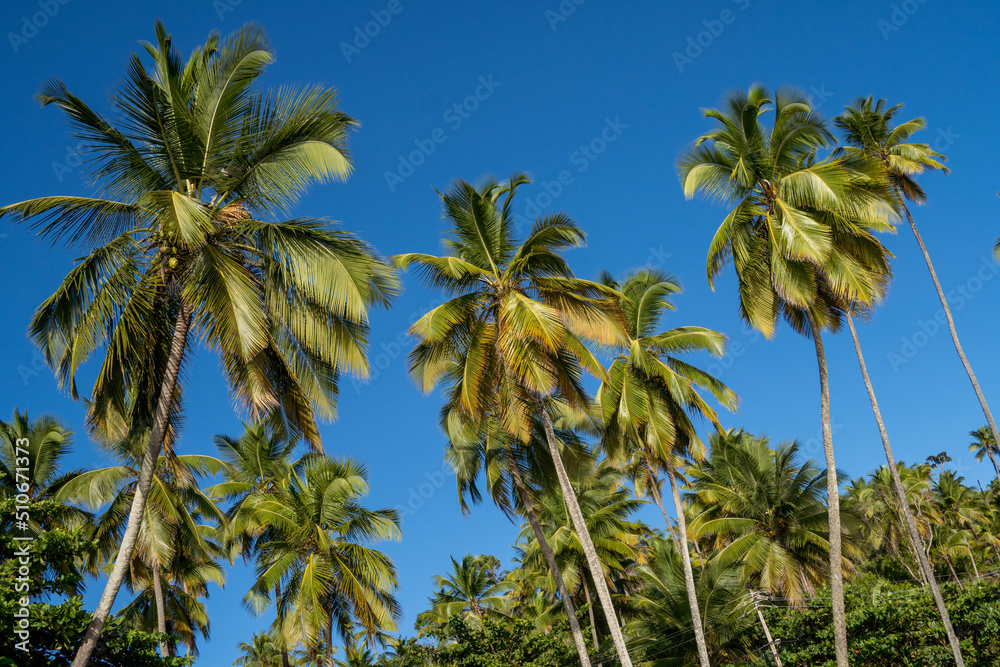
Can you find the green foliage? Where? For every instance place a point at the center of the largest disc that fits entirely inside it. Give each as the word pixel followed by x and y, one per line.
pixel 891 625
pixel 509 642
pixel 57 629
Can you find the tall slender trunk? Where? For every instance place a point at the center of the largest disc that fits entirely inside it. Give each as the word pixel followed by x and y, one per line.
pixel 911 524
pixel 655 490
pixel 330 662
pixel 954 333
pixel 146 468
pixel 767 632
pixel 280 621
pixel 832 504
pixel 692 594
pixel 550 559
pixel 161 612
pixel 951 568
pixel 580 526
pixel 590 611
pixel 975 568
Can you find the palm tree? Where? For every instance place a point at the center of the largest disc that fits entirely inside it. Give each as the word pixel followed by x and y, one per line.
pixel 868 130
pixel 665 622
pixel 473 450
pixel 984 445
pixel 513 332
pixel 472 591
pixel 43 443
pixel 261 651
pixel 649 392
pixel 179 248
pixel 618 539
pixel 172 532
pixel 764 511
pixel 799 236
pixel 903 505
pixel 313 554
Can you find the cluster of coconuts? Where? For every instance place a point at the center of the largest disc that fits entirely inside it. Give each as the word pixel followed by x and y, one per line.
pixel 166 249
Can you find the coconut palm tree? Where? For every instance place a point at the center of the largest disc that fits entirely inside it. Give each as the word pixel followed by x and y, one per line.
pixel 984 445
pixel 314 554
pixel 618 538
pixel 799 237
pixel 764 511
pixel 649 392
pixel 473 450
pixel 664 626
pixel 512 334
pixel 261 651
pixel 35 448
pixel 868 130
pixel 188 166
pixel 173 532
pixel 903 506
pixel 472 591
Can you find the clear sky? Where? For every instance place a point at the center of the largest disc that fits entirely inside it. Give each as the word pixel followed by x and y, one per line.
pixel 607 92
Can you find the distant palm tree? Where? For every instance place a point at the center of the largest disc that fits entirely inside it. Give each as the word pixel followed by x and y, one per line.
pixel 984 445
pixel 506 462
pixel 513 332
pixel 664 610
pixel 800 238
pixel 314 554
pixel 172 533
pixel 32 451
pixel 261 651
pixel 649 392
pixel 470 590
pixel 764 510
pixel 180 248
pixel 868 130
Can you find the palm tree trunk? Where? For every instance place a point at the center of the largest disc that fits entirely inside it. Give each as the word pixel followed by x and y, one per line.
pixel 280 621
pixel 580 525
pixel 954 333
pixel 330 662
pixel 655 490
pixel 975 568
pixel 590 610
pixel 911 525
pixel 767 632
pixel 161 611
pixel 699 630
pixel 550 559
pixel 832 504
pixel 951 568
pixel 138 508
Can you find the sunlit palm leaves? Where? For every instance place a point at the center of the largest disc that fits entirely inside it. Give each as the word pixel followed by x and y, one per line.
pixel 763 510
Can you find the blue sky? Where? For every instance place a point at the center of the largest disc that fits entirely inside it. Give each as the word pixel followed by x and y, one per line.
pixel 605 95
